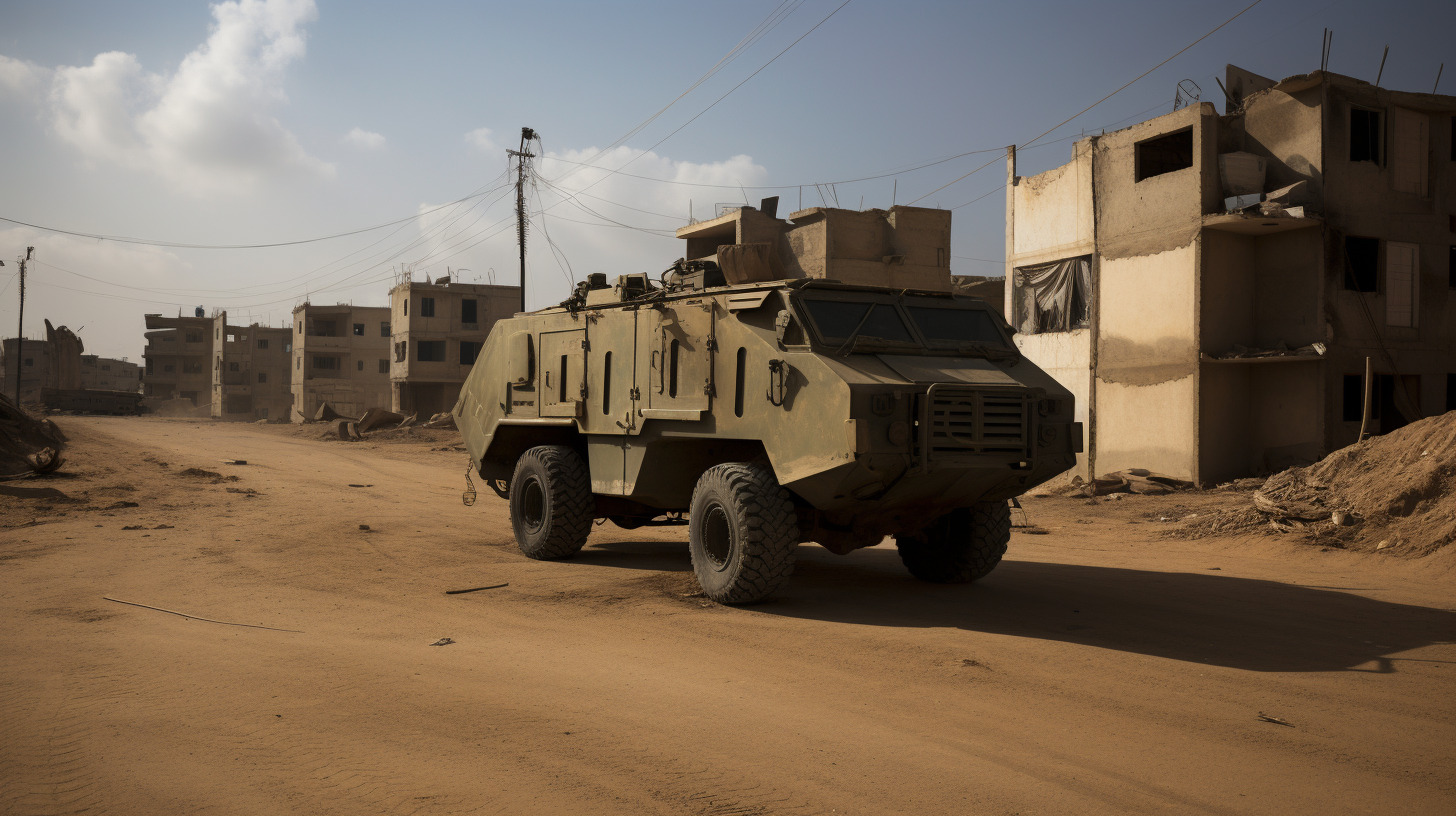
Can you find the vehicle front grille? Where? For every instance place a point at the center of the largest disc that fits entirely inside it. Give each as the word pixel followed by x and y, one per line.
pixel 962 419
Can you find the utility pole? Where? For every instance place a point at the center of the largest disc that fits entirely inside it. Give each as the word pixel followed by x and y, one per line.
pixel 20 328
pixel 523 166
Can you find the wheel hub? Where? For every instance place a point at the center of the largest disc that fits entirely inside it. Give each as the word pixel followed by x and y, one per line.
pixel 717 537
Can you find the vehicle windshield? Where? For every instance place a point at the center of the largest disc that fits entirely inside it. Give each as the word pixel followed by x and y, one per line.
pixel 926 323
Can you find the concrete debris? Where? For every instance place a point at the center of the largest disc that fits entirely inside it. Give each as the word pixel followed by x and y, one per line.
pixel 1132 480
pixel 326 413
pixel 378 417
pixel 28 446
pixel 441 420
pixel 1280 350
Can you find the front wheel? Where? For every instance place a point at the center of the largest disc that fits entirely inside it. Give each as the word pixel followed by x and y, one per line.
pixel 551 502
pixel 742 533
pixel 960 546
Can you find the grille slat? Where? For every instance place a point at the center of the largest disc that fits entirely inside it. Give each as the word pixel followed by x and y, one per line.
pixel 962 420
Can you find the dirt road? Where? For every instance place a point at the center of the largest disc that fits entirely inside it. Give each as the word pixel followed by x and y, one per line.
pixel 1100 669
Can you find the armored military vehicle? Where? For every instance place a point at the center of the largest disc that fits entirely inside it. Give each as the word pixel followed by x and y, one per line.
pixel 788 381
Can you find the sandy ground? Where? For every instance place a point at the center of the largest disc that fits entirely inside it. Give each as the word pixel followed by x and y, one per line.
pixel 1102 669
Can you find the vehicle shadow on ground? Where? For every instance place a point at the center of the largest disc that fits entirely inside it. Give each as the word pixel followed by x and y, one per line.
pixel 1210 618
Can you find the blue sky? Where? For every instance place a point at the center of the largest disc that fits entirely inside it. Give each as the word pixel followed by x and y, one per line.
pixel 246 123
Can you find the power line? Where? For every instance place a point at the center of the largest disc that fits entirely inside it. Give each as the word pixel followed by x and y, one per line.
pixel 1033 141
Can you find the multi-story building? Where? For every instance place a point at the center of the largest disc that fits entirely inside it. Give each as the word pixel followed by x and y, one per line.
pixel 178 358
pixel 438 329
pixel 107 374
pixel 251 366
pixel 1210 287
pixel 340 357
pixel 34 359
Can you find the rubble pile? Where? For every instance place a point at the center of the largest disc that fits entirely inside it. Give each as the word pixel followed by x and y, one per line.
pixel 28 446
pixel 351 429
pixel 1391 492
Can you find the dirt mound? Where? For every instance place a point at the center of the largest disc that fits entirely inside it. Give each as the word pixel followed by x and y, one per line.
pixel 1388 492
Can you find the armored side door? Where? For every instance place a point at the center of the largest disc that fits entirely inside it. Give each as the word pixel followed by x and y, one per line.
pixel 680 359
pixel 562 370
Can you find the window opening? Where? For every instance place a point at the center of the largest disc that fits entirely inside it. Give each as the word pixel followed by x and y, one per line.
pixel 360 365
pixel 1362 270
pixel 738 381
pixel 469 351
pixel 561 381
pixel 1365 132
pixel 262 376
pixel 1165 154
pixel 383 329
pixel 358 329
pixel 671 370
pixel 467 311
pixel 607 383
pixel 1054 297
pixel 430 351
pixel 262 344
pixel 383 366
pixel 427 307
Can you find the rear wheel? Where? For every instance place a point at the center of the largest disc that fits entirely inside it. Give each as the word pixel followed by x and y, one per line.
pixel 742 532
pixel 551 502
pixel 960 546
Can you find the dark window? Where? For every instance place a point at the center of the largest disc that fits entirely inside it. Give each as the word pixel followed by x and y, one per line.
pixel 430 351
pixel 1362 268
pixel 168 368
pixel 467 310
pixel 326 363
pixel 401 351
pixel 383 366
pixel 262 344
pixel 1163 154
pixel 427 307
pixel 607 383
pixel 957 326
pixel 233 367
pixel 671 369
pixel 361 365
pixel 738 382
pixel 383 329
pixel 300 328
pixel 838 319
pixel 358 329
pixel 406 307
pixel 1353 403
pixel 30 361
pixel 262 376
pixel 1365 131
pixel 194 337
pixel 469 350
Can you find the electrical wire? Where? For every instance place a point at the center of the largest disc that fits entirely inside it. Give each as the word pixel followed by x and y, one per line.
pixel 1039 136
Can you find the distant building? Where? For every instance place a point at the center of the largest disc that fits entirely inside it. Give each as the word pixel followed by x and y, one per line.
pixel 34 358
pixel 437 331
pixel 1209 287
pixel 251 366
pixel 107 374
pixel 340 356
pixel 178 359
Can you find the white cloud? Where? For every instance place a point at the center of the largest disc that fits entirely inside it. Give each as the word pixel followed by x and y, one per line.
pixel 481 140
pixel 208 126
pixel 364 139
pixel 20 76
pixel 646 212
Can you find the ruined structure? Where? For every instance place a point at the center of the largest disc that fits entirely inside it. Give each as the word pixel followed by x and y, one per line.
pixel 250 371
pixel 438 330
pixel 340 356
pixel 178 358
pixel 1210 286
pixel 107 374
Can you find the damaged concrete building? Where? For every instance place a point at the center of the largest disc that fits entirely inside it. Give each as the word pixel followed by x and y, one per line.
pixel 437 331
pixel 34 359
pixel 108 374
pixel 340 357
pixel 178 359
pixel 250 371
pixel 1209 286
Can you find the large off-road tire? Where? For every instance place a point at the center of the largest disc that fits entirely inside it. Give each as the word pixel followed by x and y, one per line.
pixel 960 546
pixel 551 502
pixel 742 532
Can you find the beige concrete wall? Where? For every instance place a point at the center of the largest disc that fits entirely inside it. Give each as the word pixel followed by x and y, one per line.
pixel 357 384
pixel 431 386
pixel 1285 127
pixel 1147 370
pixel 1067 357
pixel 1051 213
